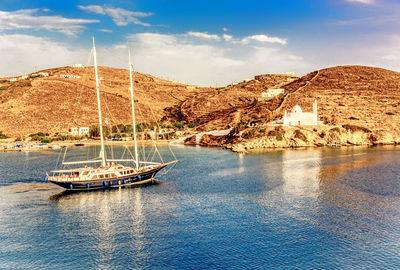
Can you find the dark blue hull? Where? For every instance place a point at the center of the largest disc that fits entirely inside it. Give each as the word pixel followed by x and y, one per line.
pixel 129 180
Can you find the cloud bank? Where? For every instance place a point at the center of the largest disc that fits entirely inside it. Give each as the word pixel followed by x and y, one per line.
pixel 365 2
pixel 192 57
pixel 28 19
pixel 120 16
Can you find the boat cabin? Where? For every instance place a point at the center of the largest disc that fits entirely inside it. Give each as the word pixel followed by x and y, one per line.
pixel 89 173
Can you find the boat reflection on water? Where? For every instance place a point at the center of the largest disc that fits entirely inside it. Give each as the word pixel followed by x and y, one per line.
pixel 69 193
pixel 100 215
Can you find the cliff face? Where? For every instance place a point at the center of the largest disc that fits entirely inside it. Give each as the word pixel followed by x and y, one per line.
pixel 283 137
pixel 53 104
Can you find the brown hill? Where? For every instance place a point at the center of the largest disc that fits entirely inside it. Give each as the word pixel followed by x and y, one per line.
pixel 222 108
pixel 360 96
pixel 356 95
pixel 53 104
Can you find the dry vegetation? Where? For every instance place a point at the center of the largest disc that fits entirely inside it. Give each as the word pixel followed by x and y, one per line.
pixel 53 104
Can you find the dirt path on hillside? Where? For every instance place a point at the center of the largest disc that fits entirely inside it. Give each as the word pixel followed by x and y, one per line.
pixel 298 89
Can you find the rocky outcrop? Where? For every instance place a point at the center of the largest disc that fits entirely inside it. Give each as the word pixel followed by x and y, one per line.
pixel 282 137
pixel 190 141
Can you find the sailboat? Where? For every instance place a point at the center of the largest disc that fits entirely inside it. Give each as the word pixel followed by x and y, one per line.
pixel 110 173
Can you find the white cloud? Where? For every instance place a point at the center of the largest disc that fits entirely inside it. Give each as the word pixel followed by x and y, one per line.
pixel 185 58
pixel 365 2
pixel 204 35
pixel 179 57
pixel 227 37
pixel 120 16
pixel 24 53
pixel 225 29
pixel 26 19
pixel 385 53
pixel 105 30
pixel 264 38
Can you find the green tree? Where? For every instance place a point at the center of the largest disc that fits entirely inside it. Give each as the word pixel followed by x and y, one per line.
pixel 2 135
pixel 94 131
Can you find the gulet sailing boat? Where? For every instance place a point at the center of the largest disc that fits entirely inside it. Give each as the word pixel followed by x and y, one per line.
pixel 110 173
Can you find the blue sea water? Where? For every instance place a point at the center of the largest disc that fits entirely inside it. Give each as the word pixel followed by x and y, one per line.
pixel 323 208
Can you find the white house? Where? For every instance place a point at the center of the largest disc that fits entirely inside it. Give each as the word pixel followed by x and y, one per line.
pixel 299 118
pixel 272 93
pixel 78 131
pixel 83 131
pixel 73 131
pixel 69 76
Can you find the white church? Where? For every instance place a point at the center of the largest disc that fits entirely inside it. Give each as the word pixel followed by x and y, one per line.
pixel 299 118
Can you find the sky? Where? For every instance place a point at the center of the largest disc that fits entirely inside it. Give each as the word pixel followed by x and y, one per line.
pixel 207 43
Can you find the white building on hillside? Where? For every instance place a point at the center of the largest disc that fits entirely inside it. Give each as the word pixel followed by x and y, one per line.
pixel 73 131
pixel 79 131
pixel 83 131
pixel 299 118
pixel 272 93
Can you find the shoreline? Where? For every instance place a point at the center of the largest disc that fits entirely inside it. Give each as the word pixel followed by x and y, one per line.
pixel 10 145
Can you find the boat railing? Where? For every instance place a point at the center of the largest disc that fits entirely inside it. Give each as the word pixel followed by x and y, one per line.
pixel 72 178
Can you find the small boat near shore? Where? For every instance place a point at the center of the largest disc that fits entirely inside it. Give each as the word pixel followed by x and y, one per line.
pixel 111 173
pixel 79 144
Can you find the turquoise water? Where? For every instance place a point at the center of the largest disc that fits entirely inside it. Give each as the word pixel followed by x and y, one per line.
pixel 317 208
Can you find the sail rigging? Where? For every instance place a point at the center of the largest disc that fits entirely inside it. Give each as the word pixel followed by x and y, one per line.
pixel 133 112
pixel 110 173
pixel 102 152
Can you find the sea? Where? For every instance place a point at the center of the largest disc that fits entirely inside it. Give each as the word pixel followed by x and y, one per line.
pixel 317 208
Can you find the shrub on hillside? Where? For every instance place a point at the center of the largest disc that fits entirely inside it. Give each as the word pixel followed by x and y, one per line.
pixel 40 134
pixel 372 138
pixel 36 138
pixel 335 129
pixel 299 135
pixel 354 128
pixel 272 133
pixel 2 135
pixel 249 134
pixel 278 133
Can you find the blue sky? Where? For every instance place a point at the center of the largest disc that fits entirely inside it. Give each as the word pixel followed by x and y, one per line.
pixel 201 42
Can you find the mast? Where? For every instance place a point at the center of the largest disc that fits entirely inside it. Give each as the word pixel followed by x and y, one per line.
pixel 102 152
pixel 133 113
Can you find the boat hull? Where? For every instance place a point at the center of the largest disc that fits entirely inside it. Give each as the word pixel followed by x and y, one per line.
pixel 125 181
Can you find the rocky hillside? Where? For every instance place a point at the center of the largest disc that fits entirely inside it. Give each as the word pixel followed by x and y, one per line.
pixel 53 104
pixel 357 104
pixel 222 108
pixel 356 95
